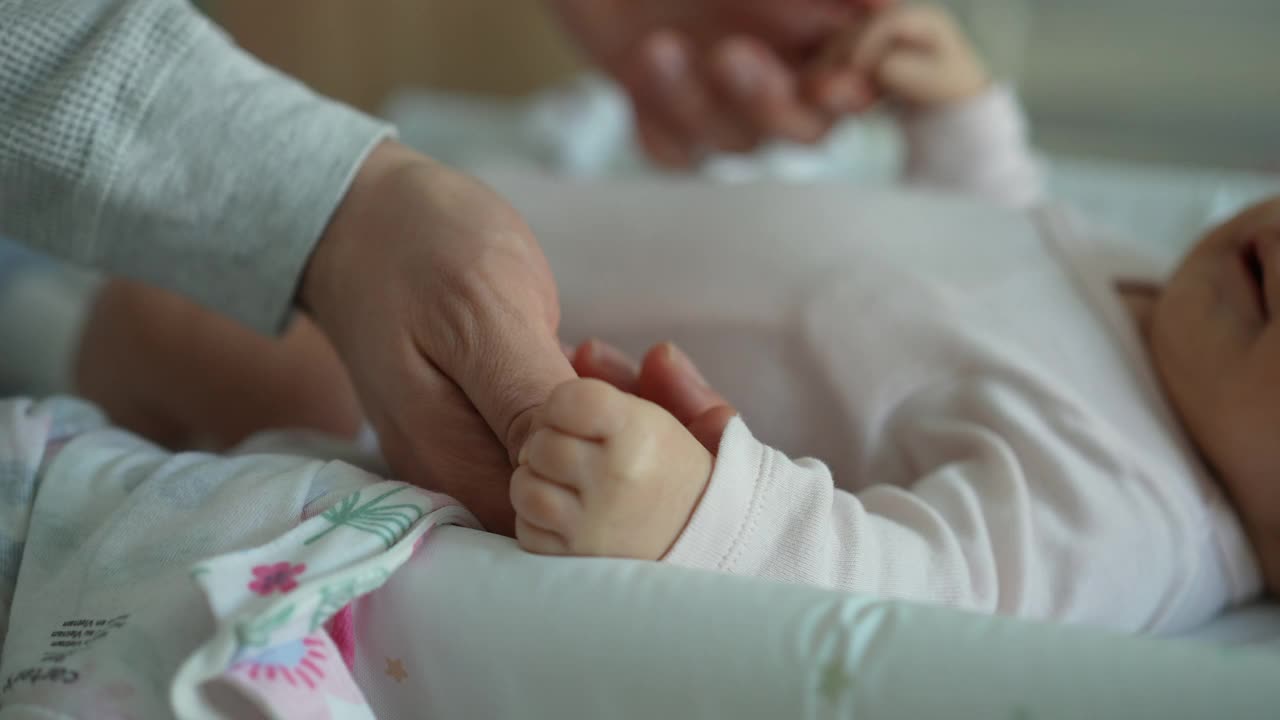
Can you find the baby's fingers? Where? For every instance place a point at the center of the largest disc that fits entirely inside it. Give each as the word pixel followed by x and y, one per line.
pixel 840 91
pixel 589 409
pixel 549 511
pixel 538 540
pixel 563 459
pixel 909 73
pixel 916 26
pixel 832 80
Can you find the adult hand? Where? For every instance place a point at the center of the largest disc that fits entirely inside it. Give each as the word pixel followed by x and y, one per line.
pixel 715 74
pixel 441 304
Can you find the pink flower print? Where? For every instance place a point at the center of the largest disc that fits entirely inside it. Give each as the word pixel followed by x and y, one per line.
pixel 281 576
pixel 297 678
pixel 299 662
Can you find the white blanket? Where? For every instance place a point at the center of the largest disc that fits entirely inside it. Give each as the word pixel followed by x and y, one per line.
pixel 141 584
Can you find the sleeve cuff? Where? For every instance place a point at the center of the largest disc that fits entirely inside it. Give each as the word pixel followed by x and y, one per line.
pixel 224 188
pixel 978 147
pixel 723 519
pixel 994 113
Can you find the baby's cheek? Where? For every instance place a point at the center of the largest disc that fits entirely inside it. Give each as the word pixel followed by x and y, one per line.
pixel 1236 432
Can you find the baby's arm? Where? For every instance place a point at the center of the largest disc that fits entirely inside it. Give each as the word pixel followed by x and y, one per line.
pixel 1010 512
pixel 962 132
pixel 1018 507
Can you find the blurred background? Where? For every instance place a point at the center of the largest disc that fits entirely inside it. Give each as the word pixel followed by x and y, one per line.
pixel 1167 81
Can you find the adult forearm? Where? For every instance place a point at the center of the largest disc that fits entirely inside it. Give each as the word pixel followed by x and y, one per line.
pixel 136 137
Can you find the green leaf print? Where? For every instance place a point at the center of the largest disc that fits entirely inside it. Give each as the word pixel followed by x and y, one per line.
pixel 337 596
pixel 257 633
pixel 388 522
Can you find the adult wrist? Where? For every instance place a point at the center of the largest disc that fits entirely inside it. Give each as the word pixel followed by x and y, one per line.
pixel 333 252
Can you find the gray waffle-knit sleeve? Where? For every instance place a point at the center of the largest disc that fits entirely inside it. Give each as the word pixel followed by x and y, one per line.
pixel 135 137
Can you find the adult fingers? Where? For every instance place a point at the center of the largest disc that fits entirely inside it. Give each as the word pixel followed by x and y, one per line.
pixel 795 25
pixel 709 427
pixel 677 115
pixel 660 144
pixel 519 366
pixel 669 379
pixel 495 337
pixel 601 361
pixel 761 88
pixel 460 456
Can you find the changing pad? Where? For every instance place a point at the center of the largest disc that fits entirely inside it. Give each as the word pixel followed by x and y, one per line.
pixel 507 634
pixel 582 130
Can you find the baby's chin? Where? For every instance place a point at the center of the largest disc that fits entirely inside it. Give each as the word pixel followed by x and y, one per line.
pixel 1141 298
pixel 1258 507
pixel 1268 551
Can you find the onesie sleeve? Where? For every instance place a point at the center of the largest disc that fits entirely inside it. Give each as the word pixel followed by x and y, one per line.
pixel 137 138
pixel 1010 513
pixel 978 146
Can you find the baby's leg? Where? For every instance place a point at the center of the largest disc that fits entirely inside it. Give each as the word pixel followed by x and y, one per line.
pixel 614 473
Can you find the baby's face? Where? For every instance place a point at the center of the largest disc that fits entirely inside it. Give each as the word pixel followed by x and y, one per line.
pixel 1215 338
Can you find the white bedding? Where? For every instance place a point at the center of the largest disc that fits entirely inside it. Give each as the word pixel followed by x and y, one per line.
pixel 507 634
pixel 582 131
pixel 1256 625
pixel 489 631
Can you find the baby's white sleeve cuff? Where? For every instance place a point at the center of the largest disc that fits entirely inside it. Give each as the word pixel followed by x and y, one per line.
pixel 730 505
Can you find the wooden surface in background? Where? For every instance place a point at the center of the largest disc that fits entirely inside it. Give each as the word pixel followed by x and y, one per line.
pixel 359 52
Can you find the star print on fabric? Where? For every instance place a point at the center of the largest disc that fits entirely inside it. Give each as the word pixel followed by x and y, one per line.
pixel 395 668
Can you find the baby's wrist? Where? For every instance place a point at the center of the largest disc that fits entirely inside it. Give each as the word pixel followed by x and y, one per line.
pixel 980 84
pixel 693 507
pixel 958 96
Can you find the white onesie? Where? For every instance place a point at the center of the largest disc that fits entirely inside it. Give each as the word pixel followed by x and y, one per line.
pixel 988 430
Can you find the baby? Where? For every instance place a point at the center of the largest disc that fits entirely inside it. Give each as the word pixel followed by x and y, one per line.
pixel 1027 432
